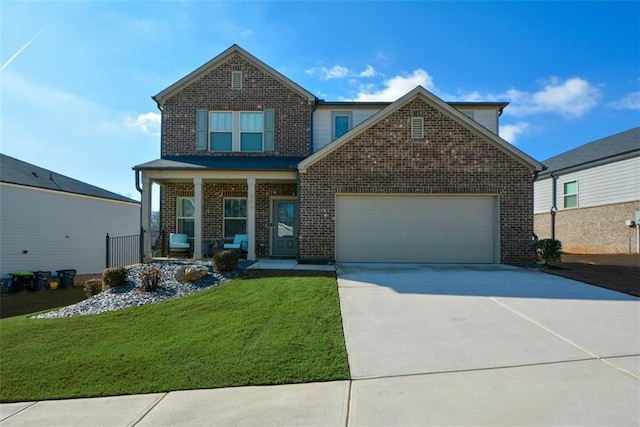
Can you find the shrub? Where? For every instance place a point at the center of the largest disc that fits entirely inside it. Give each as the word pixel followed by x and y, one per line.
pixel 225 261
pixel 150 278
pixel 548 251
pixel 114 277
pixel 92 287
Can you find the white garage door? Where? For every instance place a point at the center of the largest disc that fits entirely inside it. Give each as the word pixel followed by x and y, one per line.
pixel 435 229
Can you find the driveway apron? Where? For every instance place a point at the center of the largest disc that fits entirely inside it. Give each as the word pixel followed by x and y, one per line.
pixel 422 339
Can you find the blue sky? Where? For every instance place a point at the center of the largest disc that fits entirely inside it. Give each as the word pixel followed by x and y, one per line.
pixel 77 77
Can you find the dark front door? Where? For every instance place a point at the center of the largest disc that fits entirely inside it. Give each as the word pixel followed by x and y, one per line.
pixel 284 229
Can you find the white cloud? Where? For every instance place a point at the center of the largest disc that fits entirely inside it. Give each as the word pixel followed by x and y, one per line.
pixel 335 72
pixel 629 102
pixel 149 123
pixel 396 86
pixel 512 131
pixel 368 72
pixel 571 98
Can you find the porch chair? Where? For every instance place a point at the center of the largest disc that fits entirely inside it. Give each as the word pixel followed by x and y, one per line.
pixel 178 243
pixel 240 243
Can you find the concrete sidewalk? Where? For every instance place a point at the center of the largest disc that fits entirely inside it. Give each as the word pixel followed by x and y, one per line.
pixel 427 345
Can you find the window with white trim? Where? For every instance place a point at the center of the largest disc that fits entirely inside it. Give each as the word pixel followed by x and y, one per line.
pixel 340 123
pixel 570 194
pixel 469 114
pixel 417 127
pixel 185 216
pixel 236 131
pixel 235 217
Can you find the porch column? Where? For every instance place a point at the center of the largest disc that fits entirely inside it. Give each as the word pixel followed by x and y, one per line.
pixel 197 219
pixel 145 218
pixel 251 217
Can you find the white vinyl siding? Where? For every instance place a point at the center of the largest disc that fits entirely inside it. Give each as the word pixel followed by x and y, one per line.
pixel 59 230
pixel 613 183
pixel 322 124
pixel 543 196
pixel 416 228
pixel 486 117
pixel 616 182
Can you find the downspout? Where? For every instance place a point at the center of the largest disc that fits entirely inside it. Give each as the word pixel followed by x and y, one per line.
pixel 554 207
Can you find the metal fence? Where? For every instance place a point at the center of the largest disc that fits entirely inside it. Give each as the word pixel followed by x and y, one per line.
pixel 123 250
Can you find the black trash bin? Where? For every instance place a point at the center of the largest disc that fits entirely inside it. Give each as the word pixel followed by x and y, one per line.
pixel 41 280
pixel 20 281
pixel 66 278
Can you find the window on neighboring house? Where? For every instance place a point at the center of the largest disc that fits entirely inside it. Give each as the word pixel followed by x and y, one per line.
pixel 235 217
pixel 417 127
pixel 236 80
pixel 249 131
pixel 340 123
pixel 570 194
pixel 184 215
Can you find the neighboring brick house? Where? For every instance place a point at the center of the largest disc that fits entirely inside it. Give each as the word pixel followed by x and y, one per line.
pixel 246 150
pixel 589 197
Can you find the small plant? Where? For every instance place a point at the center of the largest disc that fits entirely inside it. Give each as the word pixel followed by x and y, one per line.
pixel 225 261
pixel 92 287
pixel 114 277
pixel 150 278
pixel 548 251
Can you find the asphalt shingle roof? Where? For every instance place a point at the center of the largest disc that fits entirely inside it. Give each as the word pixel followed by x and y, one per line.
pixel 222 163
pixel 14 171
pixel 610 148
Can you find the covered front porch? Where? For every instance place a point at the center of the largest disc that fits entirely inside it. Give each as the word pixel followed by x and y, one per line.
pixel 212 206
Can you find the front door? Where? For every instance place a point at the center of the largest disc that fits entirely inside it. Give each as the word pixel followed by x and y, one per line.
pixel 284 230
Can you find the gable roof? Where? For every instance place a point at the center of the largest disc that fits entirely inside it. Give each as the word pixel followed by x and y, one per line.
pixel 601 151
pixel 14 171
pixel 207 67
pixel 442 106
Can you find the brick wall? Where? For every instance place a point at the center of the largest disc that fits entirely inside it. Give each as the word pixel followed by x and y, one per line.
pixel 213 194
pixel 213 92
pixel 449 160
pixel 593 230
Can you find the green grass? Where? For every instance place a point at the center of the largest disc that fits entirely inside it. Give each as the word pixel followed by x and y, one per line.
pixel 247 332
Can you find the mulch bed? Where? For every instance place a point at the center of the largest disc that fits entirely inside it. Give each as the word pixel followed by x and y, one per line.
pixel 618 278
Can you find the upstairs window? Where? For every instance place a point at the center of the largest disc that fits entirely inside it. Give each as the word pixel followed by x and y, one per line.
pixel 236 80
pixel 221 124
pixel 245 131
pixel 251 127
pixel 570 194
pixel 469 114
pixel 340 123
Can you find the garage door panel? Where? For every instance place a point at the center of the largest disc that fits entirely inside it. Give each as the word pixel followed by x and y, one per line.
pixel 416 228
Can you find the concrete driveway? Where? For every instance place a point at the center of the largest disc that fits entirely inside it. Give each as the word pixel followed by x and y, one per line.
pixel 487 344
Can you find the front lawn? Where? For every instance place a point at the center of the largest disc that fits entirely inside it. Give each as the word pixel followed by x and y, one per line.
pixel 247 332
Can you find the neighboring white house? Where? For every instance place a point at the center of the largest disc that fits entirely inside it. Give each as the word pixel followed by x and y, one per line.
pixel 589 197
pixel 50 222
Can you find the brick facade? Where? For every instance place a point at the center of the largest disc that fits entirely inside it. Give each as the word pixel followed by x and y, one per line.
pixel 260 91
pixel 385 160
pixel 592 230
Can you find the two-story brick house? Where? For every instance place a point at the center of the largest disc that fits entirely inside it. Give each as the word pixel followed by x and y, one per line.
pixel 246 150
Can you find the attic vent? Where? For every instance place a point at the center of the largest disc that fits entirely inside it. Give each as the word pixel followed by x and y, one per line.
pixel 417 127
pixel 236 80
